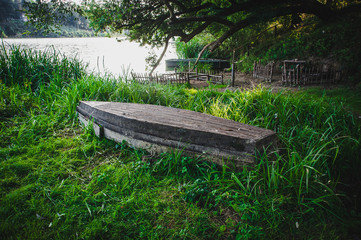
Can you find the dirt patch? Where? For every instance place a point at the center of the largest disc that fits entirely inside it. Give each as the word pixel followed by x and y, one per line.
pixel 247 82
pixel 242 81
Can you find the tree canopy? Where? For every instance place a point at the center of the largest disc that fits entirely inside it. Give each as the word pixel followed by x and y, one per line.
pixel 8 9
pixel 155 22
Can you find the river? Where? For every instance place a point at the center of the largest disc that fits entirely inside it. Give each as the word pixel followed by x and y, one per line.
pixel 103 55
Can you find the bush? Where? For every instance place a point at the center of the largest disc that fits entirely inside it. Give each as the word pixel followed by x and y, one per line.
pixel 190 49
pixel 195 45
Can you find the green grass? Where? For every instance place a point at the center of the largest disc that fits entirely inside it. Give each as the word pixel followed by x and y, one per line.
pixel 31 68
pixel 350 96
pixel 59 181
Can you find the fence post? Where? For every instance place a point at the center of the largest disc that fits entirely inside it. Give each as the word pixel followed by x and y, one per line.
pixel 233 74
pixel 271 74
pixel 254 69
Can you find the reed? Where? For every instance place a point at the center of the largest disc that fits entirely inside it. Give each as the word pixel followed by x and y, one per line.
pixel 58 181
pixel 31 68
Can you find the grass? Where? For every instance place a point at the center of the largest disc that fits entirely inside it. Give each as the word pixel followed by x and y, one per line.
pixel 349 95
pixel 31 68
pixel 58 180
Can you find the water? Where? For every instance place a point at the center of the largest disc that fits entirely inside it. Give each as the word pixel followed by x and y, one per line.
pixel 102 54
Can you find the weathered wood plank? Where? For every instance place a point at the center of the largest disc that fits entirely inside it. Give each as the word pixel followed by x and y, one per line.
pixel 159 128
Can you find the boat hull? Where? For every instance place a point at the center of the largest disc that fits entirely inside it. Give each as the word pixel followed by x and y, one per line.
pixel 159 129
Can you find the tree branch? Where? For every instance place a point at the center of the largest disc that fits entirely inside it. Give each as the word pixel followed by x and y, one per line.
pixel 179 4
pixel 204 19
pixel 187 37
pixel 195 9
pixel 200 55
pixel 162 55
pixel 171 11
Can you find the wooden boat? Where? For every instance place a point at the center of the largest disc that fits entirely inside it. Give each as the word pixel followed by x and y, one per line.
pixel 158 129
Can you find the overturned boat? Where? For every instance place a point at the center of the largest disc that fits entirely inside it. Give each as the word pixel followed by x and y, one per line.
pixel 160 129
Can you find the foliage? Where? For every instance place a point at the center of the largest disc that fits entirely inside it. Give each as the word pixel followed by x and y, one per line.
pixel 19 29
pixel 8 10
pixel 31 68
pixel 12 23
pixel 190 49
pixel 335 44
pixel 58 181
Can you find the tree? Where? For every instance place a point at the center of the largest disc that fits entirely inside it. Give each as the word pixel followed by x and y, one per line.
pixel 155 22
pixel 8 10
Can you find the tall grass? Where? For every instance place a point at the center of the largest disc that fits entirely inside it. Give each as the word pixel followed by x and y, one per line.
pixel 32 68
pixel 58 181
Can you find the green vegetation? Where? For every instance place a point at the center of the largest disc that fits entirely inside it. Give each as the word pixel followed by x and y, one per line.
pixel 37 69
pixel 12 23
pixel 335 43
pixel 192 48
pixel 59 181
pixel 349 96
pixel 18 29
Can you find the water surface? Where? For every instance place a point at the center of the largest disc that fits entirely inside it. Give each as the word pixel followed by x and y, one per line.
pixel 102 54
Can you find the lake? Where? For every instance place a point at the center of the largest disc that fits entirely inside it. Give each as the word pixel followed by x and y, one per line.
pixel 101 54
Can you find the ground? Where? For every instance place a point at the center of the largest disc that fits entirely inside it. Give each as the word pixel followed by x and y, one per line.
pixel 246 81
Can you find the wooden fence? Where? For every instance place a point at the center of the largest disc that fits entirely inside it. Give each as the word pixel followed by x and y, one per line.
pixel 263 72
pixel 205 76
pixel 298 73
pixel 176 78
pixel 173 78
